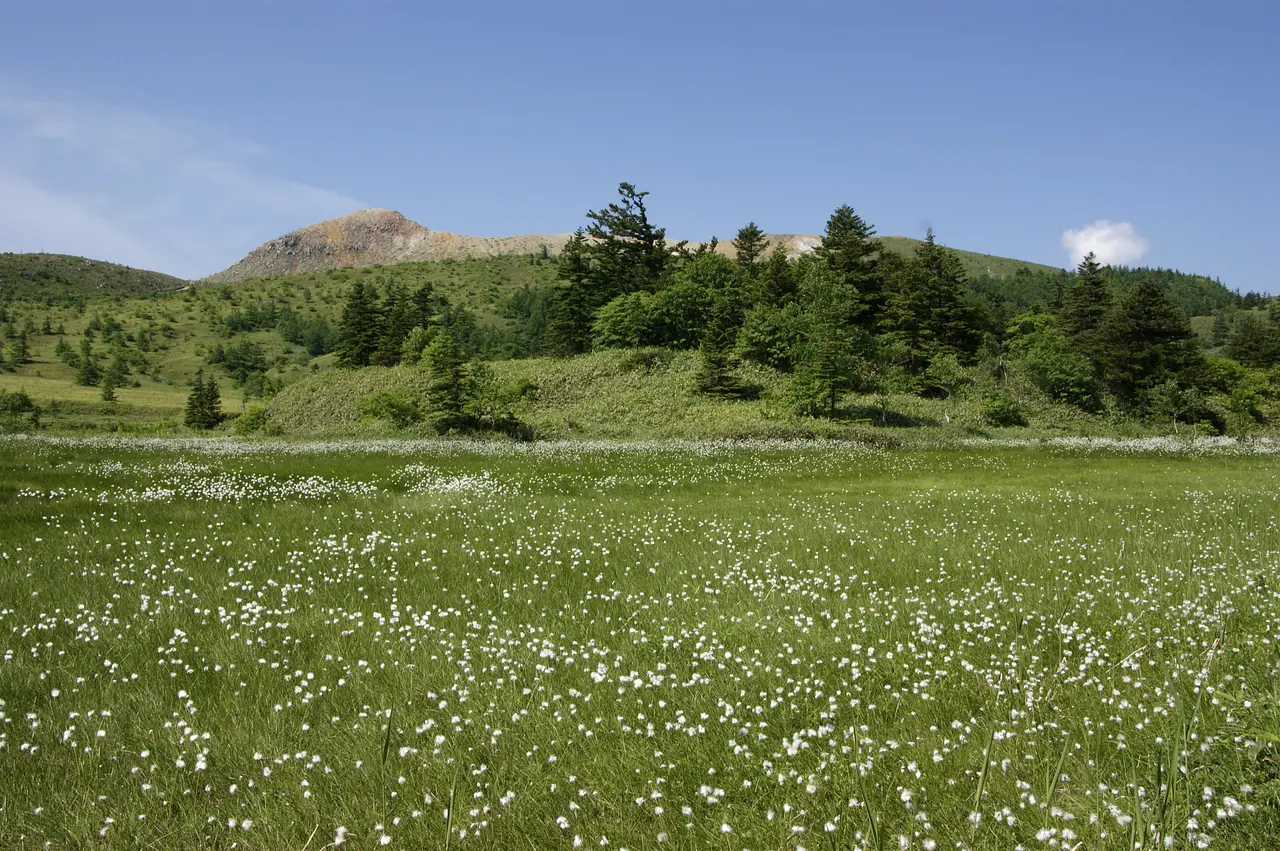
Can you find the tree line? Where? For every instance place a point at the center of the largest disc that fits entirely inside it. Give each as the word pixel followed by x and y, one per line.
pixel 853 316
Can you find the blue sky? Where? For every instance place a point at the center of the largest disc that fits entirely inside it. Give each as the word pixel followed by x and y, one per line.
pixel 179 136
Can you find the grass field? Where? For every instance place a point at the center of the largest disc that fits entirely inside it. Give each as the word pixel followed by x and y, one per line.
pixel 210 644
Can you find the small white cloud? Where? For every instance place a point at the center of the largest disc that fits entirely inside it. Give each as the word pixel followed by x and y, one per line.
pixel 1113 243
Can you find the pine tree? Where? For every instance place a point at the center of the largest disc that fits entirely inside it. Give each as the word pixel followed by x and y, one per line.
pixel 627 252
pixel 446 382
pixel 569 331
pixel 1254 341
pixel 18 350
pixel 749 248
pixel 831 358
pixel 360 331
pixel 1086 303
pixel 927 311
pixel 426 306
pixel 88 374
pixel 211 403
pixel 1221 328
pixel 402 316
pixel 116 372
pixel 108 389
pixel 716 347
pixel 195 416
pixel 1145 342
pixel 777 279
pixel 851 250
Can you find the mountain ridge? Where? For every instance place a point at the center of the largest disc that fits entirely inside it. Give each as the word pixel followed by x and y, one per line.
pixel 383 237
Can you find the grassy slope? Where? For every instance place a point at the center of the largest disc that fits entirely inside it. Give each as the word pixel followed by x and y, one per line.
pixel 599 396
pixel 975 263
pixel 28 277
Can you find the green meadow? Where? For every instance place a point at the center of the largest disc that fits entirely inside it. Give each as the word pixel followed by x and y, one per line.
pixel 748 645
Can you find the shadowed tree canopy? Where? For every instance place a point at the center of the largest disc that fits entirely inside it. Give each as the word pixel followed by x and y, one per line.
pixel 1086 302
pixel 1146 341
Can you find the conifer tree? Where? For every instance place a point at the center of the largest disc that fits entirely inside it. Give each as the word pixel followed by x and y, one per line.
pixel 88 374
pixel 1221 328
pixel 728 306
pixel 831 358
pixel 426 304
pixel 927 311
pixel 108 389
pixel 1254 341
pixel 777 279
pixel 446 382
pixel 195 415
pixel 402 316
pixel 360 331
pixel 114 375
pixel 18 350
pixel 569 331
pixel 627 252
pixel 211 403
pixel 1086 303
pixel 851 250
pixel 749 248
pixel 1145 342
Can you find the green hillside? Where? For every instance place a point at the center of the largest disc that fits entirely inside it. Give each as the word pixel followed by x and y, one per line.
pixel 975 263
pixel 42 277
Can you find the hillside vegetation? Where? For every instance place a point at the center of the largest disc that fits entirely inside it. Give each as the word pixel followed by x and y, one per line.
pixel 626 335
pixel 41 277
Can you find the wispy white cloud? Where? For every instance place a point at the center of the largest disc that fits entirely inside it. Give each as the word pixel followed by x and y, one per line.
pixel 148 191
pixel 1113 243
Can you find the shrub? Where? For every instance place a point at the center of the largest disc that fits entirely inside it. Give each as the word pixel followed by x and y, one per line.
pixel 394 406
pixel 650 359
pixel 1001 409
pixel 252 421
pixel 1054 365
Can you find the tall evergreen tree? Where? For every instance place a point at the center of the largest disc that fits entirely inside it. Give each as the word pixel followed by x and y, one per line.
pixel 1146 341
pixel 627 252
pixel 832 356
pixel 87 375
pixel 402 316
pixel 927 310
pixel 1254 341
pixel 728 306
pixel 426 304
pixel 360 332
pixel 1086 303
pixel 777 278
pixel 18 350
pixel 446 382
pixel 569 331
pixel 749 248
pixel 851 250
pixel 196 416
pixel 116 372
pixel 211 402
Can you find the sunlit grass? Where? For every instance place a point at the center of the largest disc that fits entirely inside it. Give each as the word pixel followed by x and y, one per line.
pixel 704 646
